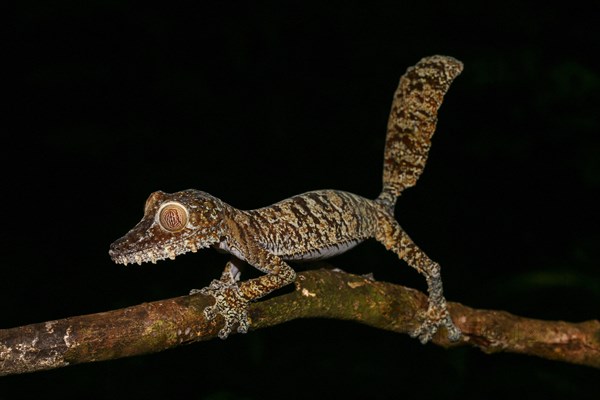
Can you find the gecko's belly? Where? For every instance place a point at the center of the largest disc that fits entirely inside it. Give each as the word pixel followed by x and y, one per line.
pixel 318 253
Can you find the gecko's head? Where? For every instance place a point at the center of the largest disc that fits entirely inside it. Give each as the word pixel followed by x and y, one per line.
pixel 173 224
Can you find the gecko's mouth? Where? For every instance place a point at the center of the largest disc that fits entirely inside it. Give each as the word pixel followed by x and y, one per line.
pixel 152 254
pixel 143 256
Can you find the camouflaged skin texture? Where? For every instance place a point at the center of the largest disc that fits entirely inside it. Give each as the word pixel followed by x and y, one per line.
pixel 310 226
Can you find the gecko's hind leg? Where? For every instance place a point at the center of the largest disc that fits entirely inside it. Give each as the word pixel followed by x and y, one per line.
pixel 229 301
pixel 393 237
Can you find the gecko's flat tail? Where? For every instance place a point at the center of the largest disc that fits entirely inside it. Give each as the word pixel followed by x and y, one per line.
pixel 413 119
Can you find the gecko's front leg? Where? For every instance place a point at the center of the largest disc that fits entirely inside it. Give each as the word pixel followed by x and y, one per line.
pixel 232 297
pixel 229 301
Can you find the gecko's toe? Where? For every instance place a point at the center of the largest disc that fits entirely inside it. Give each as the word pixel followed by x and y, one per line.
pixel 454 334
pixel 210 313
pixel 243 327
pixel 425 331
pixel 433 319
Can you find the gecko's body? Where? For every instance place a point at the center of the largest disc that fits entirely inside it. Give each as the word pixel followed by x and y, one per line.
pixel 310 226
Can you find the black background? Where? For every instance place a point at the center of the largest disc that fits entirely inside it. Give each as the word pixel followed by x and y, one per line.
pixel 108 101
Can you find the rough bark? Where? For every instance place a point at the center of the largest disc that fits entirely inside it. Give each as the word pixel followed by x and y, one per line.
pixel 160 325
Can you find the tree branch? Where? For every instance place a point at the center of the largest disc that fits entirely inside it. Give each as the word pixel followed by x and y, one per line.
pixel 160 325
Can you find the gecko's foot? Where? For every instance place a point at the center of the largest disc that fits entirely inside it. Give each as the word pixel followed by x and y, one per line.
pixel 229 301
pixel 432 320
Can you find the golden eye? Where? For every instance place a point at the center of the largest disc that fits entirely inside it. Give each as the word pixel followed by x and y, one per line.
pixel 173 217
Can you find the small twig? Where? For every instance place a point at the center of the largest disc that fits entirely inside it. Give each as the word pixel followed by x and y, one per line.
pixel 160 325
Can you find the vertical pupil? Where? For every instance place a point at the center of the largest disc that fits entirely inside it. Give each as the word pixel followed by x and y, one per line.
pixel 172 218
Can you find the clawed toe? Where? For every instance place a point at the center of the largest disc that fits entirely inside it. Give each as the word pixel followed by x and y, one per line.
pixel 426 330
pixel 433 319
pixel 454 334
pixel 210 312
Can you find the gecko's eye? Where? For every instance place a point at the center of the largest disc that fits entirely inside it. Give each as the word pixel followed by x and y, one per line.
pixel 172 217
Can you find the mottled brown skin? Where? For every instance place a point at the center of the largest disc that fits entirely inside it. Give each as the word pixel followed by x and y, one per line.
pixel 308 226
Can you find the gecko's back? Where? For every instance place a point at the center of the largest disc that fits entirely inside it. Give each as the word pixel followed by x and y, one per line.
pixel 315 225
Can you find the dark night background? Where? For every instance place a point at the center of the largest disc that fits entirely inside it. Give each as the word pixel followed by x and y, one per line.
pixel 108 101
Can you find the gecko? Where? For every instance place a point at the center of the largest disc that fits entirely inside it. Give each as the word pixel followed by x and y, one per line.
pixel 311 226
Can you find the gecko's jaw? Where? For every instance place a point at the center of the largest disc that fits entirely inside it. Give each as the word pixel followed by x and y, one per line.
pixel 153 254
pixel 143 256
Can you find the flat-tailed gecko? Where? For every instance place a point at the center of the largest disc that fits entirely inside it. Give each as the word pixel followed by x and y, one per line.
pixel 310 226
